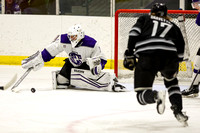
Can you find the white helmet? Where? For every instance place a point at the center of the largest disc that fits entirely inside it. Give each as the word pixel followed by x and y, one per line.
pixel 75 34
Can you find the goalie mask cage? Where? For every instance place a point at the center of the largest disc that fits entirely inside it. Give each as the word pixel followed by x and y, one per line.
pixel 126 18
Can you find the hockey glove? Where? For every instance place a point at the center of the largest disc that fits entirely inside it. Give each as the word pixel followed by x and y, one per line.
pixel 96 70
pixel 129 60
pixel 34 61
pixel 95 65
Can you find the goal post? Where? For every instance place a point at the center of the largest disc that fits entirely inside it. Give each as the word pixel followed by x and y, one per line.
pixel 126 18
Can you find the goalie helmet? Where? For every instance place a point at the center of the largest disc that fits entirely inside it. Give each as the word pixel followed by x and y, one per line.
pixel 75 34
pixel 159 9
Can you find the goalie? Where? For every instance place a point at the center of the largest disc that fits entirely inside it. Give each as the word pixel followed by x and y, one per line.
pixel 83 68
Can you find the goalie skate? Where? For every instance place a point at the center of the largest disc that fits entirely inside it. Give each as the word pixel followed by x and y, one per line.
pixel 161 101
pixel 193 91
pixel 119 88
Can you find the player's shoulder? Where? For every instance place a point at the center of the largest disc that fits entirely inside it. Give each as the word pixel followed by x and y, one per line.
pixel 64 38
pixel 89 42
pixel 145 17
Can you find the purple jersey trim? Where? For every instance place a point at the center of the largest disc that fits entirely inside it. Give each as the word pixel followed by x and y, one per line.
pixel 64 39
pixel 88 41
pixel 198 20
pixel 46 55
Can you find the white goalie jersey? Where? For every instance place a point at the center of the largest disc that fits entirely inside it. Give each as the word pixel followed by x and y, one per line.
pixel 86 48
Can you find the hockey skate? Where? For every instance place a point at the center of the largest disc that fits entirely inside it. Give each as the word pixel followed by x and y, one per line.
pixel 160 100
pixel 180 116
pixel 119 88
pixel 193 91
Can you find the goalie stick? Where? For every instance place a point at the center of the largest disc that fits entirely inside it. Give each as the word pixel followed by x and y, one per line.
pixel 20 80
pixel 181 20
pixel 7 85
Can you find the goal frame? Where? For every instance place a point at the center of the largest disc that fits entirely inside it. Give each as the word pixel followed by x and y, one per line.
pixel 136 11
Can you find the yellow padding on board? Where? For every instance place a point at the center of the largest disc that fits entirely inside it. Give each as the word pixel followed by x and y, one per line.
pixel 56 62
pixel 182 66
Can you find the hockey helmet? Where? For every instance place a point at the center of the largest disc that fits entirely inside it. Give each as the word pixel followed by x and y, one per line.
pixel 75 34
pixel 160 9
pixel 195 4
pixel 195 1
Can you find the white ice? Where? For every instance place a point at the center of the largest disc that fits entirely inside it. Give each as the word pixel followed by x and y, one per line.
pixel 84 111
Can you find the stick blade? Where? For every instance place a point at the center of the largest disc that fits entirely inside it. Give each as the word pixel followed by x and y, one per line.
pixel 11 82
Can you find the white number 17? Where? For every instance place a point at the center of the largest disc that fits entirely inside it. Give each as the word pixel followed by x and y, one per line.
pixel 162 24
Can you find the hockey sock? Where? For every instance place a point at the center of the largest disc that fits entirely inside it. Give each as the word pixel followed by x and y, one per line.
pixel 174 92
pixel 146 97
pixel 175 97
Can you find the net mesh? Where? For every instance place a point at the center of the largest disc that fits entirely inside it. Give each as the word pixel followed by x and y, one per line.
pixel 125 20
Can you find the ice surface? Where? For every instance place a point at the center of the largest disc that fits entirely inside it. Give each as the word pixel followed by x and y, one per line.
pixel 83 111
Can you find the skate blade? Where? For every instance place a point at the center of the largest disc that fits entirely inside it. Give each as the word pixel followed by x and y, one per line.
pixel 184 123
pixel 191 96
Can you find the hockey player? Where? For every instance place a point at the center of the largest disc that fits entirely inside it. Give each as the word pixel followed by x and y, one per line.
pixel 158 45
pixel 193 90
pixel 84 66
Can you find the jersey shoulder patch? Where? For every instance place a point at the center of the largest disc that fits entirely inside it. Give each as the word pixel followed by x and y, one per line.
pixel 64 39
pixel 88 42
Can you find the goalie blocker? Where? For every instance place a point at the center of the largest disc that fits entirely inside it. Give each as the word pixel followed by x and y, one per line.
pixel 84 79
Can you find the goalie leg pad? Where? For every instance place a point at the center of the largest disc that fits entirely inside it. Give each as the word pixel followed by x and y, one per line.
pixel 59 81
pixel 85 79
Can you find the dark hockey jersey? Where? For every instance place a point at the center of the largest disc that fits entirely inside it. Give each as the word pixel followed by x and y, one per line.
pixel 152 34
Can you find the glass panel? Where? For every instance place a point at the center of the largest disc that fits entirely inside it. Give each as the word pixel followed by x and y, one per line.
pixel 85 7
pixel 145 4
pixel 82 7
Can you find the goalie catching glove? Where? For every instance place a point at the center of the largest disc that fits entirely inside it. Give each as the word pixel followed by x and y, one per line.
pixel 129 60
pixel 35 61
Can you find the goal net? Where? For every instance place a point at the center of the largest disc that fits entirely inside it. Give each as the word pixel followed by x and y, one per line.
pixel 126 18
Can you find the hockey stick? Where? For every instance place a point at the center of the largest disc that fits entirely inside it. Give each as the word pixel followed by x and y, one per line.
pixel 20 80
pixel 12 81
pixel 194 78
pixel 181 20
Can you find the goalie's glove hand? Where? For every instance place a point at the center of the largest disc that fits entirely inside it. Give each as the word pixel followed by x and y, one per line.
pixel 96 70
pixel 34 61
pixel 95 65
pixel 129 60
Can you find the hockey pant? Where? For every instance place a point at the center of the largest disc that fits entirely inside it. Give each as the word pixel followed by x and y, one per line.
pixel 147 68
